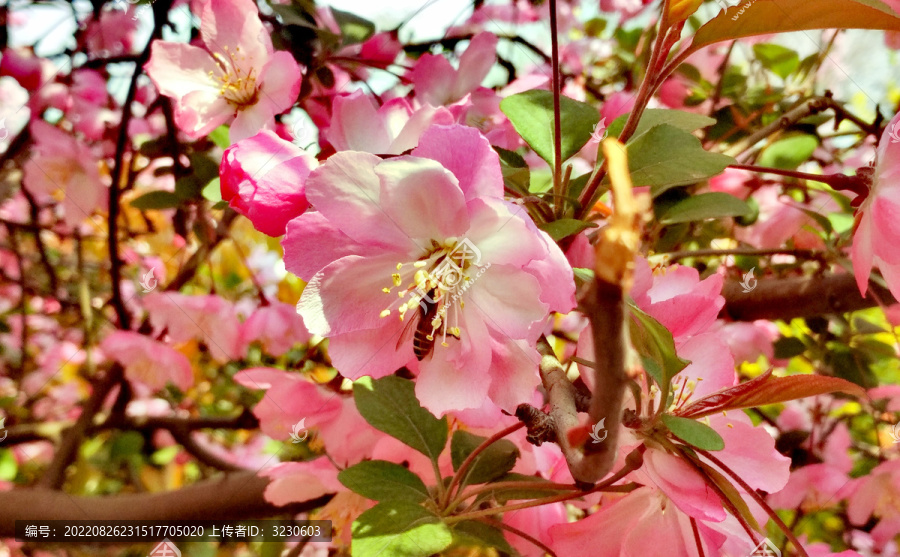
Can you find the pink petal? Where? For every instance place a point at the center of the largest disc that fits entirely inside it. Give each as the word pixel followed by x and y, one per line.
pixel 200 112
pixel 250 120
pixel 229 25
pixel 683 485
pixel 507 299
pixel 311 242
pixel 468 155
pixel 711 367
pixel 179 69
pixel 347 192
pixel 295 482
pixel 861 253
pixel 750 452
pixel 263 178
pixel 514 373
pixel 372 352
pixel 347 295
pixel 475 63
pixel 281 78
pixel 356 125
pixel 422 199
pixel 504 233
pixel 433 78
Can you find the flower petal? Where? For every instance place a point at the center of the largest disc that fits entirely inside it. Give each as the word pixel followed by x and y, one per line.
pixel 468 155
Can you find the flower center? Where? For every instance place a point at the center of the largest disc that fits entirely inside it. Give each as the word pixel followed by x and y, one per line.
pixel 238 85
pixel 433 286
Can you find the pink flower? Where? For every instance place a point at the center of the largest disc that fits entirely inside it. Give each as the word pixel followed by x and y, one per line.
pixel 263 179
pixel 277 326
pixel 238 75
pixel 876 495
pixel 877 233
pixel 209 319
pixel 393 128
pixel 290 398
pixel 437 83
pixel 427 229
pixel 148 361
pixel 65 170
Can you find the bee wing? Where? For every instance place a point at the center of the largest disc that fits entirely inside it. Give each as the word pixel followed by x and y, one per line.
pixel 409 329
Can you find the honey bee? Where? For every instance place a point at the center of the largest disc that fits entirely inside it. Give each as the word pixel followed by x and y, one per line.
pixel 421 327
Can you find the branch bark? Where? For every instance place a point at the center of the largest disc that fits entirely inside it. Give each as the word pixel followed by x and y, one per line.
pixel 232 496
pixel 800 297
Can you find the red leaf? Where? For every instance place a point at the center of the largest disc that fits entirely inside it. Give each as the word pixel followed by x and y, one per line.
pixel 767 389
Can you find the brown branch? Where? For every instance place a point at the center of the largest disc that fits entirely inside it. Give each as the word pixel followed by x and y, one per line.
pixel 800 297
pixel 237 495
pixel 25 433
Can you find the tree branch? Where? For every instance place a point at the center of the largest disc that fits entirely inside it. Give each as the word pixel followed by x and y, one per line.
pixel 237 495
pixel 800 297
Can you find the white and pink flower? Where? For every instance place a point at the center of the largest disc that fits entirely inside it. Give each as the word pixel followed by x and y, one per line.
pixel 237 75
pixel 391 236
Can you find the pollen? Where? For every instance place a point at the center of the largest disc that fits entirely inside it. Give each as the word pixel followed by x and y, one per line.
pixel 396 278
pixel 385 313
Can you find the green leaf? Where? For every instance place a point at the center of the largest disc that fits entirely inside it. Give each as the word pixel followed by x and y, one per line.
pixel 354 29
pixel 563 228
pixel 399 529
pixel 780 60
pixel 655 346
pixel 652 117
pixel 531 114
pixel 390 405
pixel 694 433
pixel 219 136
pixel 382 480
pixel 478 534
pixel 491 463
pixel 156 200
pixel 213 191
pixel 790 152
pixel 666 157
pixel 516 174
pixel 779 16
pixel 704 206
pixel 788 347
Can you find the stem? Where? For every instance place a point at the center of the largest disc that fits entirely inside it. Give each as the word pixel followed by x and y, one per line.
pixel 759 500
pixel 467 463
pixel 633 461
pixel 697 539
pixel 836 181
pixel 750 252
pixel 557 121
pixel 500 486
